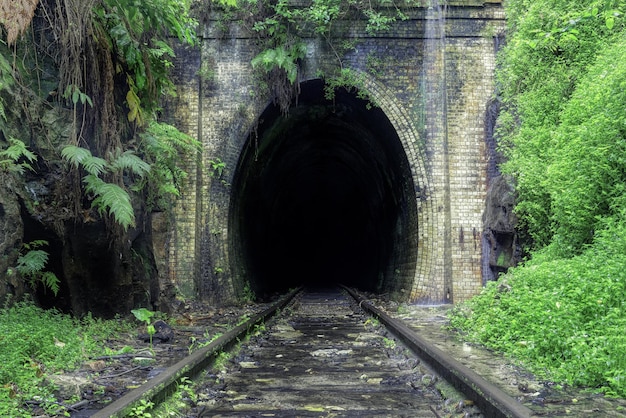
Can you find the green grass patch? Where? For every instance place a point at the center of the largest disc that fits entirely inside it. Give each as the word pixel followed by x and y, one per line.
pixel 35 343
pixel 564 319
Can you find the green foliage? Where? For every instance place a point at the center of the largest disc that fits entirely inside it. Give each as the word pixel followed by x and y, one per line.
pixel 281 29
pixel 82 157
pixel 138 31
pixel 349 80
pixel 144 315
pixel 164 147
pixel 16 157
pixel 73 93
pixel 563 131
pixel 564 319
pixel 248 295
pixel 552 46
pixel 31 264
pixel 176 403
pixel 108 197
pixel 36 343
pixel 142 409
pixel 281 58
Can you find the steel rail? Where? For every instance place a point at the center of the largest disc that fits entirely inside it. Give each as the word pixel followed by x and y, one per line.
pixel 489 398
pixel 164 384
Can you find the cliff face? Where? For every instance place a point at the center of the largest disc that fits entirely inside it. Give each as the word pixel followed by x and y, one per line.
pixel 100 267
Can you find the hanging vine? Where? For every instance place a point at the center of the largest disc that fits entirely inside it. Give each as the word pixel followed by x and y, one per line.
pixel 112 59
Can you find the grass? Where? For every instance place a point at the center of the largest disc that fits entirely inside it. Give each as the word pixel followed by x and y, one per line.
pixel 35 343
pixel 564 319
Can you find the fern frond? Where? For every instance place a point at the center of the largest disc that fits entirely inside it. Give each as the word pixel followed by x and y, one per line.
pixel 32 262
pixel 75 155
pixel 35 244
pixel 130 161
pixel 16 150
pixel 112 199
pixel 79 156
pixel 51 281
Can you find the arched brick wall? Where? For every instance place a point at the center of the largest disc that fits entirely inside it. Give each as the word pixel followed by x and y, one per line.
pixel 447 158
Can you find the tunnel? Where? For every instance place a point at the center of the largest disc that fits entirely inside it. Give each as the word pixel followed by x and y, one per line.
pixel 324 195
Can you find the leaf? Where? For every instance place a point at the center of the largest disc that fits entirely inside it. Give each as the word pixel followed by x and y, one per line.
pixel 134 105
pixel 51 281
pixel 112 199
pixel 32 262
pixel 79 156
pixel 16 150
pixel 142 314
pixel 130 161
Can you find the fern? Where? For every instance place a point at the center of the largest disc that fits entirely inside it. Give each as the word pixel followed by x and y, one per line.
pixel 131 162
pixel 280 57
pixel 10 157
pixel 51 281
pixel 32 263
pixel 110 198
pixel 78 156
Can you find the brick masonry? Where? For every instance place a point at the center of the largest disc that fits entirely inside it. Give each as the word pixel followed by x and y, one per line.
pixel 434 89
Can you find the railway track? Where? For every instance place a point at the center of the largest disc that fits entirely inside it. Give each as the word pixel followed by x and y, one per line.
pixel 328 353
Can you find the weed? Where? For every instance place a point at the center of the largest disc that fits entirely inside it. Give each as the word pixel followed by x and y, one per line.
pixel 373 322
pixel 142 410
pixel 389 343
pixel 248 294
pixel 35 343
pixel 175 404
pixel 144 315
pixel 220 360
pixel 403 309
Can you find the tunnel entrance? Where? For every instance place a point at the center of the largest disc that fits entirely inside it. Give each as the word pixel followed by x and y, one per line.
pixel 324 195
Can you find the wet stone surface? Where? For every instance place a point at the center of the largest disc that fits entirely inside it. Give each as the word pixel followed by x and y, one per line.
pixel 133 361
pixel 326 358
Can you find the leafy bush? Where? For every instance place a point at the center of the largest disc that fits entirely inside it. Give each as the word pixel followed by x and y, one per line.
pixel 565 319
pixel 551 47
pixel 36 343
pixel 564 132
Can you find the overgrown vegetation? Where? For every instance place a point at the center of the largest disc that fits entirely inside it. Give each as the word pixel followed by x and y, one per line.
pixel 281 27
pixel 36 343
pixel 562 81
pixel 113 59
pixel 81 82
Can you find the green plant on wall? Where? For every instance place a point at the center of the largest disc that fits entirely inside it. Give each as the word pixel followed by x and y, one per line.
pixel 107 69
pixel 281 28
pixel 164 146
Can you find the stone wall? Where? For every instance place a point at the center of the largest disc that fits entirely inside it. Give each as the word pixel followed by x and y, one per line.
pixel 434 90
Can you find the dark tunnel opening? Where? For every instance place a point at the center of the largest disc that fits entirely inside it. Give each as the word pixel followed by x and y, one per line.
pixel 324 195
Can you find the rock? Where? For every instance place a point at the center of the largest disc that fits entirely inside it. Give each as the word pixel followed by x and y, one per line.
pixel 164 333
